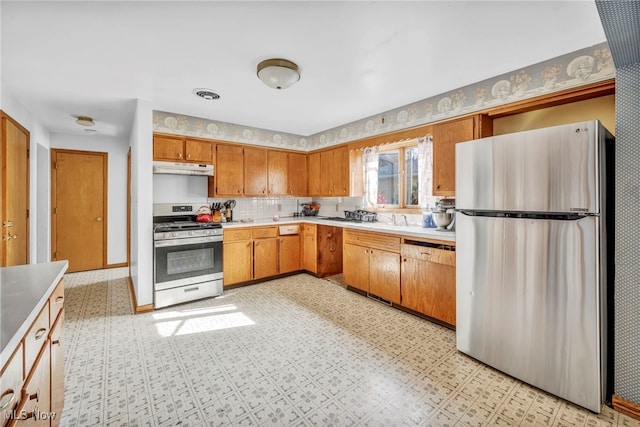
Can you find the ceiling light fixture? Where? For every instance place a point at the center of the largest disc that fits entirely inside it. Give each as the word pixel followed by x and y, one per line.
pixel 206 94
pixel 85 121
pixel 278 73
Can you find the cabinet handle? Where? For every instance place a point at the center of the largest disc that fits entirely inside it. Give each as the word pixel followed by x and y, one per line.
pixel 59 300
pixel 425 253
pixel 35 396
pixel 55 342
pixel 192 289
pixel 248 244
pixel 40 333
pixel 189 156
pixel 179 155
pixel 236 235
pixel 8 403
pixel 404 259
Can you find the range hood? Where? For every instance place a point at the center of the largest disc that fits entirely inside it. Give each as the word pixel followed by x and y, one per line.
pixel 182 168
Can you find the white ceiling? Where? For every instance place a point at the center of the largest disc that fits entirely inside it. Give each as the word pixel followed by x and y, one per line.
pixel 357 59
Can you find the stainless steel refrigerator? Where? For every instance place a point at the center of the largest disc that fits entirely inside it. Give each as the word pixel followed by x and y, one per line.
pixel 534 257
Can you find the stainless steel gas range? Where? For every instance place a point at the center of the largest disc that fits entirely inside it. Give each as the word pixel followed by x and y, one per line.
pixel 187 256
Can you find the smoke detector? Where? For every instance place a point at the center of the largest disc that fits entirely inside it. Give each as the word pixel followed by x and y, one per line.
pixel 206 94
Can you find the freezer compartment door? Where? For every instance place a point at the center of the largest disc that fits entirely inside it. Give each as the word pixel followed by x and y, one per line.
pixel 528 302
pixel 553 169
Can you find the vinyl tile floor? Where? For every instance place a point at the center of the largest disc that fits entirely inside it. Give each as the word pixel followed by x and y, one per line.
pixel 296 351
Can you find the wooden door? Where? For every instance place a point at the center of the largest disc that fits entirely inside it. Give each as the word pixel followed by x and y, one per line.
pixel 384 275
pixel 198 151
pixel 445 137
pixel 310 249
pixel 237 262
pixel 166 148
pixel 289 258
pixel 14 183
pixel 341 171
pixel 229 173
pixel 297 179
pixel 255 171
pixel 265 258
pixel 79 204
pixel 277 171
pixel 313 177
pixel 356 266
pixel 57 369
pixel 414 276
pixel 326 173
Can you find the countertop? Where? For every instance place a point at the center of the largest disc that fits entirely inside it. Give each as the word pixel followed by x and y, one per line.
pixel 400 230
pixel 24 290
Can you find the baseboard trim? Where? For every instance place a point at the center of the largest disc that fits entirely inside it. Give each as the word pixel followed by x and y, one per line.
pixel 137 309
pixel 118 265
pixel 626 407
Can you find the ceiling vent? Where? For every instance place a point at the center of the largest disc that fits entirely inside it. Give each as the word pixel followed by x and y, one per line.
pixel 207 94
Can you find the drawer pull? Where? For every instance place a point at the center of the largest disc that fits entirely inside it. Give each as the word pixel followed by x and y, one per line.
pixel 192 289
pixel 59 299
pixel 35 396
pixel 236 234
pixel 425 253
pixel 8 403
pixel 40 333
pixel 55 342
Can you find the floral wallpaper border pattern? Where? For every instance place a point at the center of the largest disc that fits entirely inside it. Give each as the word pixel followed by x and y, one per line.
pixel 579 68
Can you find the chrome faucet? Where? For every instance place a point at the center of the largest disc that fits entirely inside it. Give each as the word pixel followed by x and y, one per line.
pixel 393 218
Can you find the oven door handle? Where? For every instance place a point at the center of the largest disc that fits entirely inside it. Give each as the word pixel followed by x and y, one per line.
pixel 187 241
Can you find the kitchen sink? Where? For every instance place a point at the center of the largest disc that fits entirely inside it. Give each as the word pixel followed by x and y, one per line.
pixel 339 218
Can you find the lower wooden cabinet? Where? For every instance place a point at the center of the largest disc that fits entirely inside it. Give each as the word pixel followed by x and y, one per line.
pixel 265 258
pixel 322 254
pixel 429 282
pixel 289 254
pixel 310 248
pixel 36 404
pixel 372 263
pixel 57 368
pixel 237 262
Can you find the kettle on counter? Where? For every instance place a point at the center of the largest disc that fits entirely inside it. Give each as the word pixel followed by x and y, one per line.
pixel 204 214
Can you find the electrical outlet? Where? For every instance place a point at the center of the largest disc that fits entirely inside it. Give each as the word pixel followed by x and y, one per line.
pixel 279 207
pixel 358 207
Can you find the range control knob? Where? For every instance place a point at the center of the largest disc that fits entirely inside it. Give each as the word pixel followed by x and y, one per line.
pixel 207 232
pixel 175 234
pixel 192 233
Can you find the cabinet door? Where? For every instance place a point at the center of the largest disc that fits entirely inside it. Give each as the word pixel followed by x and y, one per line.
pixel 329 250
pixel 37 390
pixel 356 266
pixel 57 369
pixel 440 292
pixel 289 254
pixel 384 275
pixel 229 171
pixel 340 173
pixel 326 173
pixel 168 148
pixel 255 172
pixel 313 178
pixel 310 249
pixel 297 178
pixel 198 151
pixel 277 172
pixel 237 262
pixel 265 258
pixel 414 277
pixel 445 137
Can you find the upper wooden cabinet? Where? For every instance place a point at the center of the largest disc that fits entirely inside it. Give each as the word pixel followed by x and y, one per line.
pixel 277 173
pixel 297 174
pixel 445 137
pixel 175 148
pixel 255 171
pixel 329 172
pixel 313 174
pixel 229 173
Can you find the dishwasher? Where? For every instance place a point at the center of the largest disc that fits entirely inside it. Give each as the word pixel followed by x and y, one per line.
pixel 429 280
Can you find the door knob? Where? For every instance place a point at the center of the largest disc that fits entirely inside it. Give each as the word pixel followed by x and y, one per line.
pixel 99 218
pixel 15 236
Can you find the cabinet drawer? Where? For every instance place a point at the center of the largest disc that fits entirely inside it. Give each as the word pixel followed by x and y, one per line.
pixel 309 230
pixel 438 256
pixel 11 384
pixel 56 302
pixel 36 338
pixel 372 240
pixel 286 230
pixel 235 234
pixel 264 232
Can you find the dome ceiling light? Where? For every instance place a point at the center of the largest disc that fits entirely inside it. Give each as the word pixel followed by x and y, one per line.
pixel 85 121
pixel 278 73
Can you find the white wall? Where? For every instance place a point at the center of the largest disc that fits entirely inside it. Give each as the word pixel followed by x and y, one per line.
pixel 116 185
pixel 142 203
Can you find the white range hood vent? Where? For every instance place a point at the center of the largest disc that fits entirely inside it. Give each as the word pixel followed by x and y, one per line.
pixel 182 168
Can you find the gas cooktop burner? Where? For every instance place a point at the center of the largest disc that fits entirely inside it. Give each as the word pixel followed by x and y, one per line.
pixel 173 224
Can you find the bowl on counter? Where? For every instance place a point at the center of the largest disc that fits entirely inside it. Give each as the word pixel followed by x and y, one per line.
pixel 442 220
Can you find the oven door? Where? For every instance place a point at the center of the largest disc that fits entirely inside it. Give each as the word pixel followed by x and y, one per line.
pixel 180 262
